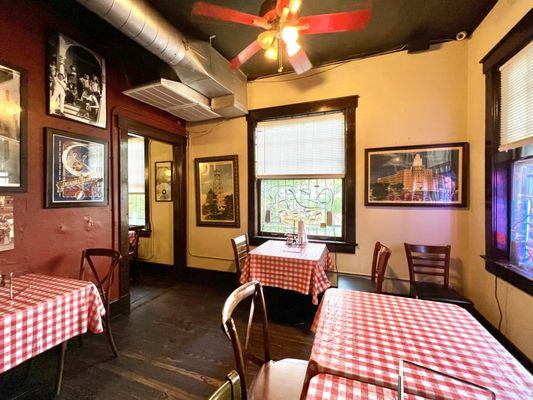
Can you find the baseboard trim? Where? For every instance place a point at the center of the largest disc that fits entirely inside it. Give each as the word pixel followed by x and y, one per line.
pixel 120 306
pixel 193 273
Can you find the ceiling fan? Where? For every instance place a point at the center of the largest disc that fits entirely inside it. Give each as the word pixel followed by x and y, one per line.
pixel 283 27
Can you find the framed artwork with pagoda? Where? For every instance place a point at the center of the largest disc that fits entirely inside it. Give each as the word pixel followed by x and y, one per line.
pixel 217 191
pixel 433 175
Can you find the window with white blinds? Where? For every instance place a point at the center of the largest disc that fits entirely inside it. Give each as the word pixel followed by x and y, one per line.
pixel 136 182
pixel 309 146
pixel 516 104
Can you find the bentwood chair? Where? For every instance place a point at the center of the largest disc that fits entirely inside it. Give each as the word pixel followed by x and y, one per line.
pixel 434 262
pixel 230 390
pixel 276 380
pixel 380 260
pixel 241 248
pixel 103 281
pixel 133 253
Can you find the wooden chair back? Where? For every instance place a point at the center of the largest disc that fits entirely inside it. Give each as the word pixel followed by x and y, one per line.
pixel 380 260
pixel 104 281
pixel 253 290
pixel 428 260
pixel 241 248
pixel 133 243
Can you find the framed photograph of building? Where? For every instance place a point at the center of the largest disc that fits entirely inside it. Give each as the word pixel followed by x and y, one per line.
pixel 426 175
pixel 163 181
pixel 217 191
pixel 76 170
pixel 76 82
pixel 13 128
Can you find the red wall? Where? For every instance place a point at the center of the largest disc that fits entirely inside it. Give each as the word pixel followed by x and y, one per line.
pixel 50 241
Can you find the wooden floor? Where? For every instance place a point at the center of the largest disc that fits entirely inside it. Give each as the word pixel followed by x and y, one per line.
pixel 171 347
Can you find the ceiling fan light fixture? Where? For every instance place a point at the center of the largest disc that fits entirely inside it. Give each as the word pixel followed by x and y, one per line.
pixel 290 34
pixel 272 52
pixel 266 39
pixel 294 6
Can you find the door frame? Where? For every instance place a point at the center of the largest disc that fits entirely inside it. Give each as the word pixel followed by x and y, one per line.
pixel 179 196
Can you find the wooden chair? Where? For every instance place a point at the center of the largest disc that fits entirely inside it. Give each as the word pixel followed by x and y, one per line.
pixel 133 252
pixel 103 284
pixel 380 260
pixel 230 390
pixel 276 380
pixel 432 261
pixel 241 248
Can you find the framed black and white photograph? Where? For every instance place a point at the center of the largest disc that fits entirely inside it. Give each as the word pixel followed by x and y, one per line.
pixel 163 181
pixel 425 175
pixel 13 128
pixel 76 82
pixel 76 170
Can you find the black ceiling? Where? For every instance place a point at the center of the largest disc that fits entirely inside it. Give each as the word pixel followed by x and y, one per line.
pixel 394 23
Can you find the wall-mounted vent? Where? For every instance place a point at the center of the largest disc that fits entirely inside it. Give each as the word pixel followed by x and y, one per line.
pixel 175 98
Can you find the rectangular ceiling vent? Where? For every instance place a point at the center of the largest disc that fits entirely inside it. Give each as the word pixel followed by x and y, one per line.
pixel 176 98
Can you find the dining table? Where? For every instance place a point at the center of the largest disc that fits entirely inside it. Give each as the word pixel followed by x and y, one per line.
pixel 40 312
pixel 298 268
pixel 361 340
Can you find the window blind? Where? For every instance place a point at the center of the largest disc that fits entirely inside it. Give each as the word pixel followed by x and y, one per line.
pixel 516 105
pixel 301 146
pixel 135 164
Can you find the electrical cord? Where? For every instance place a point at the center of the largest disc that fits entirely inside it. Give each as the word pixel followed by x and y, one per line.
pixel 498 302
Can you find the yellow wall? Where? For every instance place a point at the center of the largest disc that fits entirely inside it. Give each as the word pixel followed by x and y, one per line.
pixel 431 97
pixel 159 247
pixel 517 305
pixel 398 105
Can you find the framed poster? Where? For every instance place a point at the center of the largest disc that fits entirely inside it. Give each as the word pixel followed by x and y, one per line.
pixel 163 181
pixel 7 229
pixel 217 191
pixel 76 170
pixel 426 175
pixel 76 82
pixel 13 128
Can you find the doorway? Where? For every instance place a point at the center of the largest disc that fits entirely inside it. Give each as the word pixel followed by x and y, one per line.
pixel 153 204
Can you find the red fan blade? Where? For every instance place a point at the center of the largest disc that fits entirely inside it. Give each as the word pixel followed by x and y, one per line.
pixel 300 62
pixel 203 9
pixel 280 5
pixel 245 54
pixel 349 21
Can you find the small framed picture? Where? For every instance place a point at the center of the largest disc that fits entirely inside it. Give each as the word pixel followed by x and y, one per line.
pixel 217 191
pixel 426 175
pixel 163 181
pixel 13 128
pixel 76 170
pixel 76 82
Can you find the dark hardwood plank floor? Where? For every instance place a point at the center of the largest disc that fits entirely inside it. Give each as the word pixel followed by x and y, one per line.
pixel 171 347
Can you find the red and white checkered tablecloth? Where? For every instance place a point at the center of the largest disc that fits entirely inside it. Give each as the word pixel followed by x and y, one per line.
pixel 300 269
pixel 45 312
pixel 332 387
pixel 363 336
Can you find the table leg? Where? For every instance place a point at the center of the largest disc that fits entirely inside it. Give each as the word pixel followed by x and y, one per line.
pixel 60 367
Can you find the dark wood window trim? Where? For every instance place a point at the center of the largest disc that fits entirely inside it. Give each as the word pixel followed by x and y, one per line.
pixel 498 165
pixel 345 104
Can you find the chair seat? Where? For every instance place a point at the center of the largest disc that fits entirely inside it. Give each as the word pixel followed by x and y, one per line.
pixel 279 380
pixel 436 292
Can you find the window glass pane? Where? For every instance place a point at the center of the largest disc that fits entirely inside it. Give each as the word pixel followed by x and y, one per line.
pixel 311 145
pixel 318 202
pixel 521 215
pixel 136 209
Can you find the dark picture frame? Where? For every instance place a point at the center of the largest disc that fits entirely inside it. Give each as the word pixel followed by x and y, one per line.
pixel 76 77
pixel 13 129
pixel 163 181
pixel 434 175
pixel 210 210
pixel 63 173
